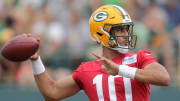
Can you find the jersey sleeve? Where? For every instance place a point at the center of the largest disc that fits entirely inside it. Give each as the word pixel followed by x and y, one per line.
pixel 144 58
pixel 77 76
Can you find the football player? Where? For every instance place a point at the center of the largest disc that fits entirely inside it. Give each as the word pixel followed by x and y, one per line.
pixel 117 75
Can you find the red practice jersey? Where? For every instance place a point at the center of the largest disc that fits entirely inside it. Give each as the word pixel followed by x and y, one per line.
pixel 100 86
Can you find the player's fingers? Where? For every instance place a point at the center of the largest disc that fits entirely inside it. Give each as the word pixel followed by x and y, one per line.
pixel 106 61
pixel 34 36
pixel 29 35
pixel 35 56
pixel 104 68
pixel 97 56
pixel 37 38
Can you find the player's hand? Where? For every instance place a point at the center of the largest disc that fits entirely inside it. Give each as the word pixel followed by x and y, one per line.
pixel 109 66
pixel 36 55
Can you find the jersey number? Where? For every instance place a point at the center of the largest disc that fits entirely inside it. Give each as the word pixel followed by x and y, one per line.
pixel 111 85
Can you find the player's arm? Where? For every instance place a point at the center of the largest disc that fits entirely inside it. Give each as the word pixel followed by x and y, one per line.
pixel 153 73
pixel 54 91
pixel 51 90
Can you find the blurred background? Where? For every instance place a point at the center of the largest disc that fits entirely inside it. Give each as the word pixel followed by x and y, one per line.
pixel 63 28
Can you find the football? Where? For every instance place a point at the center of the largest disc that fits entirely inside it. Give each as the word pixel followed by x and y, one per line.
pixel 20 48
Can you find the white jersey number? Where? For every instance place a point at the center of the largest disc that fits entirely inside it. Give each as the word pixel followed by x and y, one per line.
pixel 111 84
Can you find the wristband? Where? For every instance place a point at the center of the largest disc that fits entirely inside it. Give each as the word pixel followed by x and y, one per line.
pixel 37 66
pixel 127 71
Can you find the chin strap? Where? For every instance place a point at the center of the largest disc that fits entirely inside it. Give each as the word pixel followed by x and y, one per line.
pixel 121 49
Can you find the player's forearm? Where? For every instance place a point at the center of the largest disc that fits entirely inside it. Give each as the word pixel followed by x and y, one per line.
pixel 46 98
pixel 153 73
pixel 46 86
pixel 152 77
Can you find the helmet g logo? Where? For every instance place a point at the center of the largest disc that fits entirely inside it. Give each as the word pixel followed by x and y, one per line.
pixel 100 16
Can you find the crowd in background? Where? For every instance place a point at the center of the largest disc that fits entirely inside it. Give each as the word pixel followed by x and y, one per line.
pixel 63 28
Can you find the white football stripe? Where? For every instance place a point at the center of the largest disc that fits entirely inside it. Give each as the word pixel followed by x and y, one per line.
pixel 128 88
pixel 111 86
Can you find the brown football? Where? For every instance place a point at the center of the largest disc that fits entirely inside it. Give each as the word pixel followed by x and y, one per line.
pixel 20 48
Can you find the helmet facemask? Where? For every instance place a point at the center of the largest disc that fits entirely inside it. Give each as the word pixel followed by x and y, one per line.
pixel 129 38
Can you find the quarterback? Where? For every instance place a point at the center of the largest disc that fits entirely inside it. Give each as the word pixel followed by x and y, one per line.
pixel 117 75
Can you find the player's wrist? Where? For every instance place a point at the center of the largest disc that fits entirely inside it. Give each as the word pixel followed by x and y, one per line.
pixel 37 66
pixel 127 71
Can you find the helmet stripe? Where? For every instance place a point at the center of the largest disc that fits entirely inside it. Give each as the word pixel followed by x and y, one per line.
pixel 123 12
